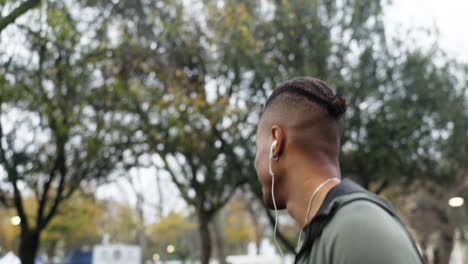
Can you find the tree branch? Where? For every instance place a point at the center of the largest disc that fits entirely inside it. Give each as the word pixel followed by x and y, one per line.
pixel 12 175
pixel 17 12
pixel 224 200
pixel 3 199
pixel 382 186
pixel 179 185
pixel 58 196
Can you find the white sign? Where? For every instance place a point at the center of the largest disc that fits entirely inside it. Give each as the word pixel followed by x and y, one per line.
pixel 246 259
pixel 116 254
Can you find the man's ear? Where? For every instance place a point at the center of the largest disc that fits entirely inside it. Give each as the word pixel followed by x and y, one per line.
pixel 277 133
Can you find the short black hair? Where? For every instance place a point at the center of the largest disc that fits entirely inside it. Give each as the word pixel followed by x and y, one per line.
pixel 312 89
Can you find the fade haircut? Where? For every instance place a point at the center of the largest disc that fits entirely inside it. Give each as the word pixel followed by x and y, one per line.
pixel 294 91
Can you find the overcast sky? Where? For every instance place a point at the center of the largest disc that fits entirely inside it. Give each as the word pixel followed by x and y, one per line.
pixel 449 16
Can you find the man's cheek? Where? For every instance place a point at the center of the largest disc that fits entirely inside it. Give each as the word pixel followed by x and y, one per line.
pixel 259 167
pixel 256 162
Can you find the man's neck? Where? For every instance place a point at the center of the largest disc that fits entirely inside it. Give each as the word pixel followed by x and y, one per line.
pixel 301 188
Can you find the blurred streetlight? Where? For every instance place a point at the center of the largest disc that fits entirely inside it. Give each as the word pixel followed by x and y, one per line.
pixel 170 249
pixel 15 220
pixel 456 201
pixel 156 257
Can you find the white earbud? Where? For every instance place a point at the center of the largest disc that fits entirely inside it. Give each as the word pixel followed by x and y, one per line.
pixel 272 148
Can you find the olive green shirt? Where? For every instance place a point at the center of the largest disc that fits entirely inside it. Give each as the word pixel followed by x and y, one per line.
pixel 357 227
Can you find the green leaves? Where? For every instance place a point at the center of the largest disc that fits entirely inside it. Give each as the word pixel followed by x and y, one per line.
pixel 186 83
pixel 171 228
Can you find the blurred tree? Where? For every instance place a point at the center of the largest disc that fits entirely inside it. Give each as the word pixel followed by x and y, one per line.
pixel 16 12
pixel 142 234
pixel 192 128
pixel 56 130
pixel 197 150
pixel 256 210
pixel 173 229
pixel 118 217
pixel 9 233
pixel 76 225
pixel 238 227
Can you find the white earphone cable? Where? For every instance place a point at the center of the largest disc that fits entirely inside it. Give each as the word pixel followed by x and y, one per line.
pixel 274 201
pixel 306 220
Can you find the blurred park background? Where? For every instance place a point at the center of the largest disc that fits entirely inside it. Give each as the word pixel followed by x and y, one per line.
pixel 132 122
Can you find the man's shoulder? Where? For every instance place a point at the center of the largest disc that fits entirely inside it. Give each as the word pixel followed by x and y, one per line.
pixel 365 230
pixel 357 226
pixel 360 211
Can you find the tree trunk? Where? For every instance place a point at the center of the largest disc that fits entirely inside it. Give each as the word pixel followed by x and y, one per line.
pixel 29 244
pixel 254 216
pixel 219 239
pixel 446 239
pixel 51 250
pixel 423 243
pixel 439 222
pixel 142 242
pixel 204 230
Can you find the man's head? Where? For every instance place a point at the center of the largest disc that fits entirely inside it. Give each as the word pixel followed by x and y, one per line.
pixel 303 117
